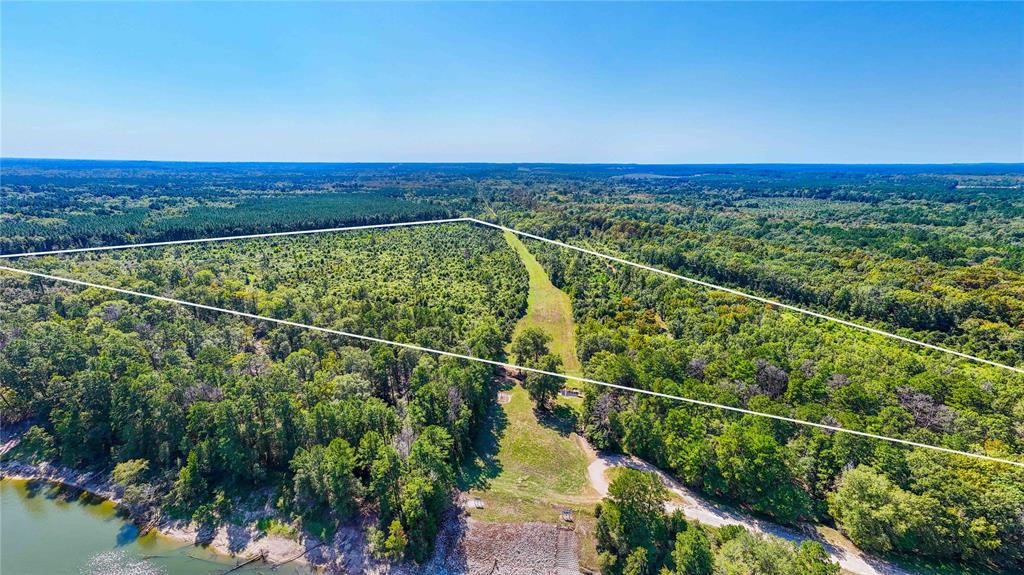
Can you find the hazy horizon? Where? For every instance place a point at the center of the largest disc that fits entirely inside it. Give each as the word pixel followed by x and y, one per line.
pixel 523 163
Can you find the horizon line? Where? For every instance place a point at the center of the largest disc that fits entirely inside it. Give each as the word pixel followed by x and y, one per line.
pixel 1019 163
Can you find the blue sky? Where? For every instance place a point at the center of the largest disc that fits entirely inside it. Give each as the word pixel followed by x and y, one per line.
pixel 649 83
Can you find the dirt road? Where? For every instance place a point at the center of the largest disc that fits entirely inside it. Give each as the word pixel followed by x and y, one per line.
pixel 707 512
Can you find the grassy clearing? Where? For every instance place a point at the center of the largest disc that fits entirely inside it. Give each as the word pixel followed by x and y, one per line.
pixel 531 466
pixel 272 526
pixel 528 469
pixel 549 309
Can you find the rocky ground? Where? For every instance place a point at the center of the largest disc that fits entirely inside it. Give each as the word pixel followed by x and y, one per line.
pixel 475 548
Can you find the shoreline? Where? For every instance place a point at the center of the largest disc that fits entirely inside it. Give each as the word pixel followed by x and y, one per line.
pixel 231 541
pixel 463 544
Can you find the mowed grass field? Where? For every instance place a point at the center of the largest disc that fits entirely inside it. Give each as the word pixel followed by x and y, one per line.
pixel 531 465
pixel 528 470
pixel 549 309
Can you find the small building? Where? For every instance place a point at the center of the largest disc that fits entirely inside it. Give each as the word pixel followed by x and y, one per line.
pixel 567 515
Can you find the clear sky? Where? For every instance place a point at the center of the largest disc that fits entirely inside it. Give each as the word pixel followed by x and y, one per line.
pixel 650 83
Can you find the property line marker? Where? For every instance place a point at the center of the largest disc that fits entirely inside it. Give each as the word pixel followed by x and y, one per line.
pixel 552 241
pixel 692 280
pixel 507 365
pixel 753 297
pixel 227 238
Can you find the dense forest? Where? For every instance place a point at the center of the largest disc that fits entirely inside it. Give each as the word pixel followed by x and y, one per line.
pixel 46 205
pixel 655 333
pixel 947 268
pixel 929 265
pixel 195 410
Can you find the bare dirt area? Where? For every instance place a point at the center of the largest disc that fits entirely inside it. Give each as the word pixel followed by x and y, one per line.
pixel 470 547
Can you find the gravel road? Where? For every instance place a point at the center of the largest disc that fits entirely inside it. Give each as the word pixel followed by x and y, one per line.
pixel 699 509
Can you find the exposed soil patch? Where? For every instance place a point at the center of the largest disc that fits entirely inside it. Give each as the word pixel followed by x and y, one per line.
pixel 507 548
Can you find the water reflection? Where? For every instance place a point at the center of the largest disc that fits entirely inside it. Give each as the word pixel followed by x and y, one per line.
pixel 127 534
pixel 119 562
pixel 53 530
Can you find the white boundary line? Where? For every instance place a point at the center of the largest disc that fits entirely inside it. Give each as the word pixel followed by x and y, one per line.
pixel 507 365
pixel 754 297
pixel 696 281
pixel 227 238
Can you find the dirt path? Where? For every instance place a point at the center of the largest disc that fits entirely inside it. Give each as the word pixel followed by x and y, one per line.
pixel 550 309
pixel 708 512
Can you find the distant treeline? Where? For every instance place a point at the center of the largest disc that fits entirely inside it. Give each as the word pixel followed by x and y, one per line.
pixel 169 219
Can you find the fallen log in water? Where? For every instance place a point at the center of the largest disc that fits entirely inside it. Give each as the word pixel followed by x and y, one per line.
pixel 321 544
pixel 261 557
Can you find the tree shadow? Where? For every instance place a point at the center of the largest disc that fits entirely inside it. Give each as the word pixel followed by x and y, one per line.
pixel 561 418
pixel 35 488
pixel 61 492
pixel 87 498
pixel 482 465
pixel 127 534
pixel 238 538
pixel 205 534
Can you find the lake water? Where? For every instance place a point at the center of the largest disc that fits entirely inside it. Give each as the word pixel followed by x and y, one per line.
pixel 49 530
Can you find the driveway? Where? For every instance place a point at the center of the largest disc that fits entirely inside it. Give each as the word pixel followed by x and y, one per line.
pixel 700 509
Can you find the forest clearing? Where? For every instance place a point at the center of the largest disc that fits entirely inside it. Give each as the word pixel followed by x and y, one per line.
pixel 530 466
pixel 548 309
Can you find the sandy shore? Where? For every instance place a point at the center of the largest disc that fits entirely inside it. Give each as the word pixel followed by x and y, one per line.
pixel 464 546
pixel 230 540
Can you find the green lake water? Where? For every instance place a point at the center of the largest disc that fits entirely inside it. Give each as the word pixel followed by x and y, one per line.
pixel 49 530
